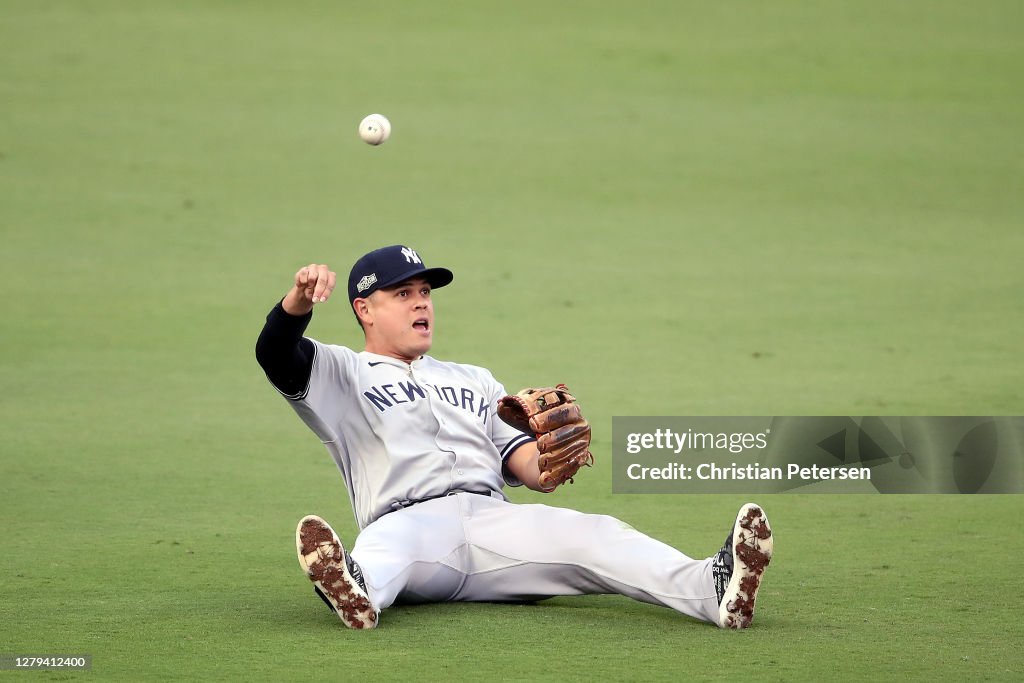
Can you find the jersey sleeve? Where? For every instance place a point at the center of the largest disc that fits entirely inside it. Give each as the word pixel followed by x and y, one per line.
pixel 504 437
pixel 283 353
pixel 331 379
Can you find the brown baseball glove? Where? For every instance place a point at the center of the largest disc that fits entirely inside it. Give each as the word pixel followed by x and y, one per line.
pixel 563 436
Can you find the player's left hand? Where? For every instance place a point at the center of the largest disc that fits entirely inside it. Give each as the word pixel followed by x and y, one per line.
pixel 563 435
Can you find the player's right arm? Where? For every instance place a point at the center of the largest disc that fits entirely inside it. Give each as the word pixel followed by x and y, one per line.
pixel 281 350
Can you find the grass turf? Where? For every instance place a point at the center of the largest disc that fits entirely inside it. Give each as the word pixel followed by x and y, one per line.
pixel 785 209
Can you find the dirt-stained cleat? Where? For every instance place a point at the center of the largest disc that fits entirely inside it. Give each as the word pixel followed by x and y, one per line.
pixel 336 578
pixel 739 566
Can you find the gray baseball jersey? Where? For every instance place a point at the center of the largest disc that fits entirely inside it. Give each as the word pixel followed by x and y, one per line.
pixel 403 432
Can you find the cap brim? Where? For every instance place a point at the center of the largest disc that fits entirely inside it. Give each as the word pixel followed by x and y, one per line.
pixel 438 277
pixel 435 277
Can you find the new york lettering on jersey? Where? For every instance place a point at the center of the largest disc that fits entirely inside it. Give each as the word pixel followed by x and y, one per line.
pixel 385 396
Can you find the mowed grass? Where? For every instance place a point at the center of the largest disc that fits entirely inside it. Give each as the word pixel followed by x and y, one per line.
pixel 795 209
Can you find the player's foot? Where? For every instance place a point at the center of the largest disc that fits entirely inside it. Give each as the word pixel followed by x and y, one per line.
pixel 739 565
pixel 335 575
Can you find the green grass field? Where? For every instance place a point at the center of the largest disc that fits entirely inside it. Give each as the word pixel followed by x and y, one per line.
pixel 755 209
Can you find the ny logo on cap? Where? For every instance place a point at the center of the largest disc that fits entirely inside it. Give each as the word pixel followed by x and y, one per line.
pixel 366 282
pixel 410 255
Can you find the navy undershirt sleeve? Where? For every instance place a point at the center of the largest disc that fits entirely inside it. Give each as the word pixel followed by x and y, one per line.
pixel 283 353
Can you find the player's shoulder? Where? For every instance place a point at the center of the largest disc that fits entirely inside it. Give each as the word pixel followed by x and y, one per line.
pixel 460 368
pixel 338 351
pixel 333 348
pixel 454 365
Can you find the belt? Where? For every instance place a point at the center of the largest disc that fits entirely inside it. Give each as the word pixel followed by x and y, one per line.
pixel 402 504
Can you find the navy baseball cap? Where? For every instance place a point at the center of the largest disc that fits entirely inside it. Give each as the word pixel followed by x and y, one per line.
pixel 389 266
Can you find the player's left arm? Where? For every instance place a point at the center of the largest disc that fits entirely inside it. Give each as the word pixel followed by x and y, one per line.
pixel 523 465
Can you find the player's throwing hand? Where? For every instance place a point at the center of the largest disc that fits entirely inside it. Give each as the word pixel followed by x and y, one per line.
pixel 313 285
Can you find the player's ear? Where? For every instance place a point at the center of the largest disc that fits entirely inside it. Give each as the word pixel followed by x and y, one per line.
pixel 362 309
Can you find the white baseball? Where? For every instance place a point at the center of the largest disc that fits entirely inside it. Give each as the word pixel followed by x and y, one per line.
pixel 375 129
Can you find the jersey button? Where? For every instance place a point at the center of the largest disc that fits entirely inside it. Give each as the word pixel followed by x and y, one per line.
pixel 459 471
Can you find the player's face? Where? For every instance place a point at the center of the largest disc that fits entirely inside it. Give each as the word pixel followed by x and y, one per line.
pixel 400 320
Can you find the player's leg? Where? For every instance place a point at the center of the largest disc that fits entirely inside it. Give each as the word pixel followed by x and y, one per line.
pixel 536 551
pixel 413 555
pixel 410 555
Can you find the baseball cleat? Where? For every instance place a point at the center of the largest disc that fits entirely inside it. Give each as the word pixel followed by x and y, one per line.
pixel 738 567
pixel 336 577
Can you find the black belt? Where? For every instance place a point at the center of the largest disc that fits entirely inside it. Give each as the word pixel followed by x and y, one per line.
pixel 402 504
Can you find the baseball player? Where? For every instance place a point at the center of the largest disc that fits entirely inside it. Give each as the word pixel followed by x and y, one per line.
pixel 425 458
